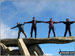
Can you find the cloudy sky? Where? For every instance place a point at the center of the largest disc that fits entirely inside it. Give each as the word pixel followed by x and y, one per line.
pixel 13 11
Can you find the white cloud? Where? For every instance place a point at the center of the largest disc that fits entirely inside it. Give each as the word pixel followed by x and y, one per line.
pixel 33 7
pixel 6 32
pixel 2 1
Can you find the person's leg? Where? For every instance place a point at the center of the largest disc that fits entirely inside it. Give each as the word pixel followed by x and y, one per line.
pixel 31 31
pixel 24 33
pixel 53 32
pixel 35 29
pixel 65 32
pixel 69 32
pixel 19 34
pixel 49 32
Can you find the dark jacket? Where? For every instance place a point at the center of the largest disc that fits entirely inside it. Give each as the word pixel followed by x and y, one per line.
pixel 20 26
pixel 68 23
pixel 34 22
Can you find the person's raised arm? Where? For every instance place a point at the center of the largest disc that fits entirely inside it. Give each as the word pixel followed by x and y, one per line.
pixel 72 22
pixel 23 23
pixel 62 22
pixel 56 22
pixel 28 22
pixel 13 27
pixel 45 21
pixel 39 21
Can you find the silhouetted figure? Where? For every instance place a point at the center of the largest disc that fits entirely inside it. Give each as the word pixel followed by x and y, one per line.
pixel 51 26
pixel 68 28
pixel 34 27
pixel 21 29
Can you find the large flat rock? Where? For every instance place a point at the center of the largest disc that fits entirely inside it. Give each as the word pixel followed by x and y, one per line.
pixel 28 41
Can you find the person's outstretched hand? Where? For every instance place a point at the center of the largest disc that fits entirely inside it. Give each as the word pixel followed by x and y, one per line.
pixel 24 22
pixel 11 28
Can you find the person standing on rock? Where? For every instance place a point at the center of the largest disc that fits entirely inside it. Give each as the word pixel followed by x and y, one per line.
pixel 68 26
pixel 21 29
pixel 51 26
pixel 34 27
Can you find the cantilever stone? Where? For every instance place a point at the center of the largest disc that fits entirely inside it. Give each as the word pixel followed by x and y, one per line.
pixel 56 40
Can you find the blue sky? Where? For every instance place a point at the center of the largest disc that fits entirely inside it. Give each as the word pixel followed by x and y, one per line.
pixel 13 11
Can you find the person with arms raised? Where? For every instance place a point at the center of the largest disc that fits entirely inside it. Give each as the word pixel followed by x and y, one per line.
pixel 34 27
pixel 21 29
pixel 68 26
pixel 51 26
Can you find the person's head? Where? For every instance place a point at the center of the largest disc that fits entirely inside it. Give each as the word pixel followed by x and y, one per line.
pixel 18 22
pixel 67 19
pixel 33 18
pixel 50 19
